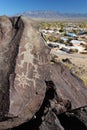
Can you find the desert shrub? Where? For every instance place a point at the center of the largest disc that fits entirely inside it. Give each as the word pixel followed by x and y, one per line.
pixel 61 30
pixel 73 50
pixel 69 40
pixel 52 39
pixel 54 58
pixel 84 78
pixel 69 66
pixel 43 25
pixel 85 46
pixel 61 41
pixel 84 52
pixel 68 44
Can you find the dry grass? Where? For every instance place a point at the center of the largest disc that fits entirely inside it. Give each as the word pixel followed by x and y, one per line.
pixel 78 66
pixel 84 78
pixel 69 66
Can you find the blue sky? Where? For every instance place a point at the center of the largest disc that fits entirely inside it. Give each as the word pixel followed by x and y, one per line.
pixel 11 7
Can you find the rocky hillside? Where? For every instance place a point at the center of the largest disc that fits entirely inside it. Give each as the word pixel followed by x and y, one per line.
pixel 32 89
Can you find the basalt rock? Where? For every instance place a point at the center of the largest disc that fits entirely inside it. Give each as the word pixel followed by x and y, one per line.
pixel 51 122
pixel 27 77
pixel 23 57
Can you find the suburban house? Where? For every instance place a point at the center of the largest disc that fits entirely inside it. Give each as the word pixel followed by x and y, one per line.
pixel 77 42
pixel 67 41
pixel 71 34
pixel 64 39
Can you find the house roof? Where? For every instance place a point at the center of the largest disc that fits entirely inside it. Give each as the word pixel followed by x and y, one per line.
pixel 71 34
pixel 76 42
pixel 64 38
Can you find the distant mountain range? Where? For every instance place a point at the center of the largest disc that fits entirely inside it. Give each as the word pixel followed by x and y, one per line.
pixel 53 15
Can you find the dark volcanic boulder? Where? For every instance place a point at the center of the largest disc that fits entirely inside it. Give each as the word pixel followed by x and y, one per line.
pixel 51 122
pixel 69 87
pixel 26 75
pixel 23 57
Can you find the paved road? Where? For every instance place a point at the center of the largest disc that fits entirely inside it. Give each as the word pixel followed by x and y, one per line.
pixel 76 55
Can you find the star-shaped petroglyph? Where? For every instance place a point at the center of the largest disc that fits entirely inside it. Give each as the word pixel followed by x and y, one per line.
pixel 23 80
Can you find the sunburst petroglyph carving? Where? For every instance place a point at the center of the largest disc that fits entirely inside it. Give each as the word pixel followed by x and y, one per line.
pixel 22 80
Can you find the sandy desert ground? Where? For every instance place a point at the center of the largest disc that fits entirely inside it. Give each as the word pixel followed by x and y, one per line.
pixel 79 63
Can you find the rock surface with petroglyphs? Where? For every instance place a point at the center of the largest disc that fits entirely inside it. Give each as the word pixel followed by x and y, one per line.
pixel 23 57
pixel 28 82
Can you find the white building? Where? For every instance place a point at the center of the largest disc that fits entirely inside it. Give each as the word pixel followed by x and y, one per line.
pixel 77 42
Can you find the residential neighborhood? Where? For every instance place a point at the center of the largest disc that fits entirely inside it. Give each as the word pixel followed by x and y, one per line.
pixel 68 44
pixel 66 37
